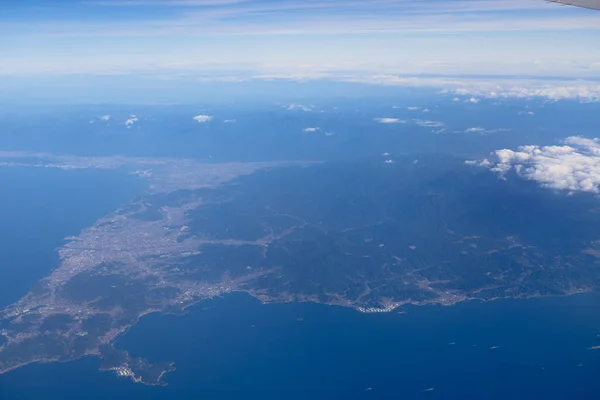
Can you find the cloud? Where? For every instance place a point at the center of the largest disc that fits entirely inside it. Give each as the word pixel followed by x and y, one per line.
pixel 472 100
pixel 311 129
pixel 428 124
pixel 481 130
pixel 390 120
pixel 202 118
pixel 132 120
pixel 230 121
pixel 412 108
pixel 494 88
pixel 526 113
pixel 476 129
pixel 573 166
pixel 299 107
pixel 105 117
pixel 420 31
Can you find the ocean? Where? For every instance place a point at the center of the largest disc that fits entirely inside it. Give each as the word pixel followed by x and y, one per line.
pixel 39 207
pixel 234 347
pixel 237 348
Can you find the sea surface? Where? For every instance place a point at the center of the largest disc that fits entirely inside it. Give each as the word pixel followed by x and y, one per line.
pixel 39 207
pixel 234 347
pixel 237 348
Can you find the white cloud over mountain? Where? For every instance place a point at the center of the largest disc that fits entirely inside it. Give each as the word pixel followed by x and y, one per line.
pixel 573 166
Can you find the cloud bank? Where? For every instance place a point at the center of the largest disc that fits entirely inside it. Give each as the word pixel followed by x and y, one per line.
pixel 573 166
pixel 473 89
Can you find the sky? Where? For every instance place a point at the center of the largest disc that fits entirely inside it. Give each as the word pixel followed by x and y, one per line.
pixel 388 41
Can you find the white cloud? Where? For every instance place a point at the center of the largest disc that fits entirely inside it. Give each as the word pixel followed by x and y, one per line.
pixel 455 99
pixel 311 129
pixel 479 129
pixel 299 107
pixel 412 108
pixel 105 117
pixel 476 129
pixel 390 120
pixel 526 113
pixel 230 121
pixel 426 110
pixel 428 124
pixel 574 166
pixel 495 88
pixel 472 100
pixel 202 118
pixel 132 120
pixel 390 161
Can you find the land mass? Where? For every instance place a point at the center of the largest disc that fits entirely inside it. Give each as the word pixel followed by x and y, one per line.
pixel 369 235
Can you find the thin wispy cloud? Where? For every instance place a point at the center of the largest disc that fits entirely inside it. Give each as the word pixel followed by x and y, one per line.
pixel 163 3
pixel 481 130
pixel 428 124
pixel 312 36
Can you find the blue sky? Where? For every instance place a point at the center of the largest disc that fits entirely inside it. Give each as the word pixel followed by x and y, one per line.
pixel 298 39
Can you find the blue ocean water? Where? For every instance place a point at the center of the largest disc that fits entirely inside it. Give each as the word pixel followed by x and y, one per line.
pixel 39 207
pixel 237 348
